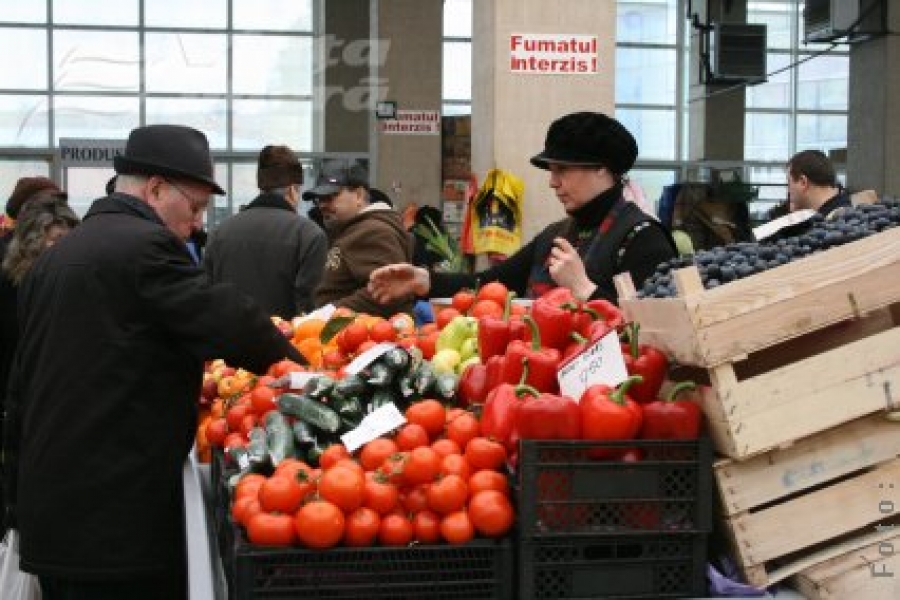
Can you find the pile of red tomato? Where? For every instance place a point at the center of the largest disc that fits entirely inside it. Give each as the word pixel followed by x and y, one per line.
pixel 437 479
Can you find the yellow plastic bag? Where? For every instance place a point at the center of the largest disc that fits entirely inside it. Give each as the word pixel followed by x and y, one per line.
pixel 496 214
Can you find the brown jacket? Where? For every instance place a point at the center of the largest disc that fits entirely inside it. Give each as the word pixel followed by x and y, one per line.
pixel 373 238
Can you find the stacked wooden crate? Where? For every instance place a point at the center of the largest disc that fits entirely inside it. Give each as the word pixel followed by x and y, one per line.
pixel 802 366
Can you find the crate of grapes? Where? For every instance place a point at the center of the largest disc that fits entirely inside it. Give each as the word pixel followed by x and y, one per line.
pixel 789 350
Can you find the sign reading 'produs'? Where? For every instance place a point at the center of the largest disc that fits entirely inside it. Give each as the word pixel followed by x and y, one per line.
pixel 553 53
pixel 77 152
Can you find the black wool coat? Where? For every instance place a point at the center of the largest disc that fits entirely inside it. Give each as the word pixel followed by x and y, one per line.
pixel 116 322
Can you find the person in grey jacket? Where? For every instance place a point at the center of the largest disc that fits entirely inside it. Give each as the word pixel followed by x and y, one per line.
pixel 268 251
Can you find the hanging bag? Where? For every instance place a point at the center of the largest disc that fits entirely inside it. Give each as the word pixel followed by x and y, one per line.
pixel 15 584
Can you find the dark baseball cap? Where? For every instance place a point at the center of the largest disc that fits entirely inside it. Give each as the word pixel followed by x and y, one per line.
pixel 334 175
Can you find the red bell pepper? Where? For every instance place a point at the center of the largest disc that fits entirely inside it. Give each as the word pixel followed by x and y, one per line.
pixel 554 316
pixel 546 416
pixel 498 418
pixel 646 361
pixel 495 334
pixel 607 413
pixel 672 419
pixel 543 362
pixel 472 387
pixel 594 311
pixel 495 368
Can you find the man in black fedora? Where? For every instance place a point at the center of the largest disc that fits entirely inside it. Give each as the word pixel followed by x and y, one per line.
pixel 116 323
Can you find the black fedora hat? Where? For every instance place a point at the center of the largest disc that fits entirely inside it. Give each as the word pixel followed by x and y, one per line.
pixel 168 151
pixel 588 138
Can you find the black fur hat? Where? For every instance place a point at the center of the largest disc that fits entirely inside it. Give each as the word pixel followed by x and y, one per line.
pixel 588 138
pixel 278 167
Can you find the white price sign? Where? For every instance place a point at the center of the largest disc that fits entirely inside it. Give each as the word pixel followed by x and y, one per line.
pixel 377 423
pixel 602 362
pixel 368 357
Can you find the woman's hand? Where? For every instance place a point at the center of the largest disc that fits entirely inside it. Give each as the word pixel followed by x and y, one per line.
pixel 401 280
pixel 567 269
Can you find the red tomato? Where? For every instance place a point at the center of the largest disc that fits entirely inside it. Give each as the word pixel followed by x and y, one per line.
pixel 244 508
pixel 422 466
pixel 270 529
pixel 343 487
pixel 445 447
pixel 463 300
pixel 216 431
pixel 491 513
pixel 361 527
pixel 379 494
pixel 487 308
pixel 262 399
pixel 427 527
pixel 415 500
pixel 332 454
pixel 494 291
pixel 395 530
pixel 319 524
pixel 382 331
pixel 351 337
pixel 484 453
pixel 428 344
pixel 463 428
pixel 486 479
pixel 281 494
pixel 457 528
pixel 374 453
pixel 455 464
pixel 430 414
pixel 448 494
pixel 411 435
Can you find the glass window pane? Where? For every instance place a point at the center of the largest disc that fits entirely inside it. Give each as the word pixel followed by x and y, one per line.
pixel 823 83
pixel 95 117
pixel 647 21
pixel 278 15
pixel 243 184
pixel 272 65
pixel 24 121
pixel 766 136
pixel 209 115
pixel 777 16
pixel 259 122
pixel 456 110
pixel 645 76
pixel 95 61
pixel 821 132
pixel 177 13
pixel 11 170
pixel 86 184
pixel 218 207
pixel 101 12
pixel 16 11
pixel 458 18
pixel 776 92
pixel 654 131
pixel 23 42
pixel 186 62
pixel 651 182
pixel 457 71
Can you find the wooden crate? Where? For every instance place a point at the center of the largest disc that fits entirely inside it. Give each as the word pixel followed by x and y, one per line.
pixel 829 494
pixel 707 328
pixel 872 573
pixel 782 351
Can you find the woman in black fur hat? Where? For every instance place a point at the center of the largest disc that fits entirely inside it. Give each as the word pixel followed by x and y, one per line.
pixel 587 155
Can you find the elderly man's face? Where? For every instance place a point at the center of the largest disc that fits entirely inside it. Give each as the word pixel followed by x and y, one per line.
pixel 179 204
pixel 576 185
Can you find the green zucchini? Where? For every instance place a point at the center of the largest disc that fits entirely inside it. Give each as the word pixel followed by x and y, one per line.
pixel 316 413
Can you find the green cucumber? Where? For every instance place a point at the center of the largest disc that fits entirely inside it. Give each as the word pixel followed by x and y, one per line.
pixel 279 437
pixel 318 414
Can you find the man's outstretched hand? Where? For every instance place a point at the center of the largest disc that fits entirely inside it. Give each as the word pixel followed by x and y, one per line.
pixel 394 282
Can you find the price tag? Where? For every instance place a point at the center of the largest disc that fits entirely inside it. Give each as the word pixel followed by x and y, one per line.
pixel 297 380
pixel 789 220
pixel 368 357
pixel 601 362
pixel 324 313
pixel 375 424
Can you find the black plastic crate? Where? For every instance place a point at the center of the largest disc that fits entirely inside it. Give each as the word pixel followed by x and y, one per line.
pixel 582 488
pixel 637 566
pixel 479 569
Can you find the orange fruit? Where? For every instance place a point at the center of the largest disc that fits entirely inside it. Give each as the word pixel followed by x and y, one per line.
pixel 310 328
